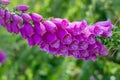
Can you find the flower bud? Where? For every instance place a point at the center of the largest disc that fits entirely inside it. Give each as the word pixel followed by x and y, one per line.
pixel 26 17
pixel 16 19
pixel 50 26
pixel 36 17
pixel 5 2
pixel 22 7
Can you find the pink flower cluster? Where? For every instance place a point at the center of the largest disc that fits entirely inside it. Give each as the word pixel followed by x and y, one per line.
pixel 58 36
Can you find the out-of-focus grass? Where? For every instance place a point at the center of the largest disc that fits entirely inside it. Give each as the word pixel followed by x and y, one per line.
pixel 29 63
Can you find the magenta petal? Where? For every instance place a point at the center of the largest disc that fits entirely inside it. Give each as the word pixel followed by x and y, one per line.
pixel 36 17
pixel 93 57
pixel 81 37
pixel 77 54
pixel 63 50
pixel 102 49
pixel 31 41
pixel 84 53
pixel 61 23
pixel 26 17
pixel 67 39
pixel 53 50
pixel 7 16
pixel 44 46
pixel 15 28
pixel 83 45
pixel 98 30
pixel 61 33
pixel 50 37
pixel 64 36
pixel 91 39
pixel 50 26
pixel 74 45
pixel 108 34
pixel 29 29
pixel 37 39
pixel 2 22
pixel 23 33
pixel 2 13
pixel 92 46
pixel 105 23
pixel 83 25
pixel 16 19
pixel 56 44
pixel 39 28
pixel 9 28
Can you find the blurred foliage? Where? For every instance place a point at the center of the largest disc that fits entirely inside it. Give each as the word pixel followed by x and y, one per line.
pixel 29 63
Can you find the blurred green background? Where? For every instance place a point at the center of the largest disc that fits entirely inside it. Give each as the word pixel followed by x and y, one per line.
pixel 29 63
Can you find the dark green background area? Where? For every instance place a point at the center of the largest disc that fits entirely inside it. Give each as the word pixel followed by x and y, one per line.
pixel 29 63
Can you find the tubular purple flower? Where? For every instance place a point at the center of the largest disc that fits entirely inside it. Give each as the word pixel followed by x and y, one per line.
pixel 81 37
pixel 97 30
pixel 105 24
pixel 55 44
pixel 15 28
pixel 67 39
pixel 64 36
pixel 50 26
pixel 9 28
pixel 36 17
pixel 91 39
pixel 30 41
pixel 102 49
pixel 76 54
pixel 107 34
pixel 61 23
pixel 40 28
pixel 5 2
pixel 22 7
pixel 7 16
pixel 83 25
pixel 37 39
pixel 28 29
pixel 63 50
pixel 83 45
pixel 93 57
pixel 2 22
pixel 92 46
pixel 23 32
pixel 74 45
pixel 2 13
pixel 84 53
pixel 61 33
pixel 52 50
pixel 17 19
pixel 2 56
pixel 44 46
pixel 50 37
pixel 26 17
